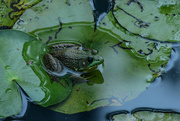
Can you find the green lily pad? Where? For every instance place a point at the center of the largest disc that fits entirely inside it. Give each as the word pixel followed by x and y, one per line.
pixel 11 10
pixel 15 70
pixel 122 71
pixel 150 49
pixel 131 62
pixel 52 13
pixel 153 20
pixel 147 116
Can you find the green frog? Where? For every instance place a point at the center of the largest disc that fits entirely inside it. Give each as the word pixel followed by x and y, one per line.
pixel 73 56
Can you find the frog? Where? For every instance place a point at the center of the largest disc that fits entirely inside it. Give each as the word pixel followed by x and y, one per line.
pixel 75 57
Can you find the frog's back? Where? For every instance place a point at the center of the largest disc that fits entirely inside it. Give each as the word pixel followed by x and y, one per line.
pixel 70 57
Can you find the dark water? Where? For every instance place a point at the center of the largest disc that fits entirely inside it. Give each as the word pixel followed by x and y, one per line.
pixel 163 93
pixel 100 9
pixel 161 96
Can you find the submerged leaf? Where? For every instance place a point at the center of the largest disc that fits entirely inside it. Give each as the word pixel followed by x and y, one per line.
pixel 94 77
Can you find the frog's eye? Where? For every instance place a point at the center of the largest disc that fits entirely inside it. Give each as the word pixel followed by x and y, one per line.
pixel 90 59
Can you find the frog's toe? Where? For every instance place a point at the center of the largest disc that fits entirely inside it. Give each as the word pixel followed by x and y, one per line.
pixel 57 79
pixel 77 78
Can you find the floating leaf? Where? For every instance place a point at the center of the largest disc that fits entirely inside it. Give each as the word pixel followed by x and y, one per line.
pixel 15 70
pixel 153 20
pixel 12 9
pixel 49 13
pixel 122 70
pixel 147 116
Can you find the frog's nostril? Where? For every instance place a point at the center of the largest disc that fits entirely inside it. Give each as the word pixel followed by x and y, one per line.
pixel 94 52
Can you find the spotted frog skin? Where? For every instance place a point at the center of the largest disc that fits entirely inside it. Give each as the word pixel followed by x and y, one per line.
pixel 72 56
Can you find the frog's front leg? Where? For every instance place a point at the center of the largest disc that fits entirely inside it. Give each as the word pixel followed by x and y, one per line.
pixel 78 78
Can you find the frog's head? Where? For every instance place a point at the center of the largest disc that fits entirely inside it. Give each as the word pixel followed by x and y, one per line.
pixel 90 61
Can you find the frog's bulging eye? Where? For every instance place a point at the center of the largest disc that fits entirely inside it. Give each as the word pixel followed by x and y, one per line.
pixel 90 59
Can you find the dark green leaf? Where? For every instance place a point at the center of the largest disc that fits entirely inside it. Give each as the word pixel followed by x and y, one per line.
pixel 10 11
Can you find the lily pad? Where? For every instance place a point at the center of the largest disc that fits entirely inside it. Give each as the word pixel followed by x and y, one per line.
pixel 147 116
pixel 11 10
pixel 142 47
pixel 120 62
pixel 150 19
pixel 131 62
pixel 15 70
pixel 50 13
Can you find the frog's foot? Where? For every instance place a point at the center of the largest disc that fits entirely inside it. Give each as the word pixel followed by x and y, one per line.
pixel 56 79
pixel 87 77
pixel 79 79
